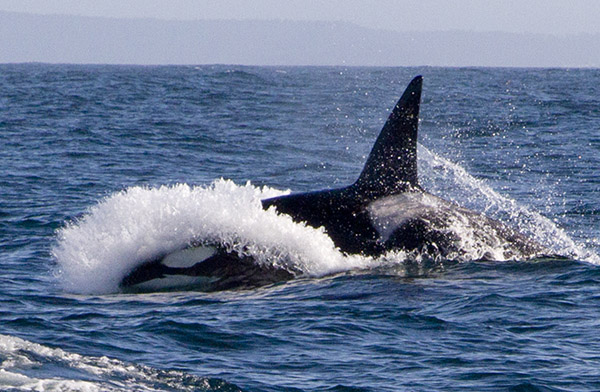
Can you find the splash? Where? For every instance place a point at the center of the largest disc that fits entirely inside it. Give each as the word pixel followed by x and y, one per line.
pixel 452 182
pixel 140 224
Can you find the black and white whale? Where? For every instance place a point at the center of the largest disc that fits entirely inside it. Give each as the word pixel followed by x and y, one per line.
pixel 384 210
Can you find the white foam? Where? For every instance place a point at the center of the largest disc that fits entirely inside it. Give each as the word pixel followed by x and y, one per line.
pixel 91 374
pixel 16 352
pixel 19 382
pixel 139 224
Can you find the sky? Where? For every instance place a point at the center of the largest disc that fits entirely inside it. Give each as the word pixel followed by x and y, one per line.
pixel 555 17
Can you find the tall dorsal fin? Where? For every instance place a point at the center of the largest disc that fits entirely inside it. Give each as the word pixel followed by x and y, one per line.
pixel 392 165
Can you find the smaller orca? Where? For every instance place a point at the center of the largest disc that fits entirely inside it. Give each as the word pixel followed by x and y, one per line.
pixel 384 210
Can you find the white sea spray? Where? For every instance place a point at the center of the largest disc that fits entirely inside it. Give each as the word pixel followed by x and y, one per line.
pixel 451 181
pixel 138 224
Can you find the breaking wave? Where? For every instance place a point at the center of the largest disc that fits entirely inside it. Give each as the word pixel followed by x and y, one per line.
pixel 28 366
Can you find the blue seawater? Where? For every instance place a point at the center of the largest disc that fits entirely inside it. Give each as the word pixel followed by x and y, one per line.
pixel 90 153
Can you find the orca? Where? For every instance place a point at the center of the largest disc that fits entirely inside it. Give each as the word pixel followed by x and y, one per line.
pixel 384 210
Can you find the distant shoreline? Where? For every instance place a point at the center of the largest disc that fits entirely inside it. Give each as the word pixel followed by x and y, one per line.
pixel 62 39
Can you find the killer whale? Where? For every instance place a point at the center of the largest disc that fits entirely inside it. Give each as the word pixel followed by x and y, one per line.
pixel 384 210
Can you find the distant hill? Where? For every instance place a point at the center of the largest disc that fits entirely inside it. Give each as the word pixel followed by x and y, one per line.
pixel 77 39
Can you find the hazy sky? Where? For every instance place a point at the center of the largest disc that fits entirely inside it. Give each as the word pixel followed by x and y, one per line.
pixel 556 17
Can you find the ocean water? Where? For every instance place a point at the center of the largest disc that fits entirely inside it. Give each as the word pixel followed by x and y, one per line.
pixel 106 165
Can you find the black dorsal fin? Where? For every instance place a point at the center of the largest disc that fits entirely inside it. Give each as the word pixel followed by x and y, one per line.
pixel 392 165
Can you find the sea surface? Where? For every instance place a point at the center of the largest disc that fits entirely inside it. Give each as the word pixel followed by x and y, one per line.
pixel 102 165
